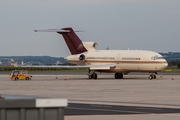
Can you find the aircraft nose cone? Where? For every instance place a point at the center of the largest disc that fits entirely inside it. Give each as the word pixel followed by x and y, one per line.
pixel 164 66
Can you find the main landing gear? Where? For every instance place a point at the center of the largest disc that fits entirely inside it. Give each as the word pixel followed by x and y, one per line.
pixel 92 75
pixel 152 77
pixel 118 75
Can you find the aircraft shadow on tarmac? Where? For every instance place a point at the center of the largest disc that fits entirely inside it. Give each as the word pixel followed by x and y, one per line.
pixel 104 78
pixel 99 109
pixel 108 79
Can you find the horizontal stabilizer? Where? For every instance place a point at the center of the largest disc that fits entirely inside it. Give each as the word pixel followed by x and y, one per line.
pixel 73 42
pixel 53 30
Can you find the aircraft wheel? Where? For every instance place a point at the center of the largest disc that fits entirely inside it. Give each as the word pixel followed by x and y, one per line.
pixel 118 75
pixel 154 76
pixel 151 77
pixel 93 76
pixel 27 78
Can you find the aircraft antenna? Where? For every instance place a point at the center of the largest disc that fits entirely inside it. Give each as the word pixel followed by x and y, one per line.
pixel 107 48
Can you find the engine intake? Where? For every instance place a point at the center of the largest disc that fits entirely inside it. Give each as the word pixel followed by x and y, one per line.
pixel 90 45
pixel 82 58
pixel 95 45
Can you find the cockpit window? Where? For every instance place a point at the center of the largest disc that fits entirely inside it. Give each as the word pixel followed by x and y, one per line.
pixel 156 57
pixel 160 58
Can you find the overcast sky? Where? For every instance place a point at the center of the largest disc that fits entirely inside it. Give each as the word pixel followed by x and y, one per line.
pixel 119 24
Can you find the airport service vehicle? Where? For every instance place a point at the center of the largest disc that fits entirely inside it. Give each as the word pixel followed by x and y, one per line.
pixel 20 75
pixel 120 62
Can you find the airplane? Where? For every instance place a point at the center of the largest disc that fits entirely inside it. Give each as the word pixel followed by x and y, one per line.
pixel 13 63
pixel 119 62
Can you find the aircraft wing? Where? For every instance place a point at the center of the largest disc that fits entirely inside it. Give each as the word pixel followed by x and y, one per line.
pixel 91 67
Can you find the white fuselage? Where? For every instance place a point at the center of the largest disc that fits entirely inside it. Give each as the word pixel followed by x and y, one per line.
pixel 125 60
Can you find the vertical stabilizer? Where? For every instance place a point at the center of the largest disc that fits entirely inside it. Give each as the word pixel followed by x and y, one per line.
pixel 13 63
pixel 73 42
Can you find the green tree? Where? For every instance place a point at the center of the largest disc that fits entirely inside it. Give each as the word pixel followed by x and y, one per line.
pixel 178 66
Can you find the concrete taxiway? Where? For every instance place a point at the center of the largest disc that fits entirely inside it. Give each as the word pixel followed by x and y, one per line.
pixel 134 97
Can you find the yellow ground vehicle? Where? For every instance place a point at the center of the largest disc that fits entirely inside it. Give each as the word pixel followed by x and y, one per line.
pixel 20 75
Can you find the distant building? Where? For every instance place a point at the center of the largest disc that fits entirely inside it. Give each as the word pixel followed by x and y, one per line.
pixel 58 63
pixel 171 56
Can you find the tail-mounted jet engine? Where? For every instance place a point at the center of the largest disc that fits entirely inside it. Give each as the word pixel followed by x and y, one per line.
pixel 82 58
pixel 90 46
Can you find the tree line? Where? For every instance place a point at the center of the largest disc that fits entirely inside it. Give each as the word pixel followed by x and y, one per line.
pixel 174 63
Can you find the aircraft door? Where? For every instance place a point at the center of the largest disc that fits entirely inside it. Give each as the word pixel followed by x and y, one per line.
pixel 118 58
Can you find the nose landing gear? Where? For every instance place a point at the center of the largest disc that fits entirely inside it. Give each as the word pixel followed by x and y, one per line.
pixel 152 77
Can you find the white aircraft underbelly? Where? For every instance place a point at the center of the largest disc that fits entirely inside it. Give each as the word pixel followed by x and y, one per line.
pixel 142 66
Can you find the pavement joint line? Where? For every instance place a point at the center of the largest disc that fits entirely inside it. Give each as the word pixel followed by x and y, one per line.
pixel 148 108
pixel 126 102
pixel 108 110
pixel 100 106
pixel 175 114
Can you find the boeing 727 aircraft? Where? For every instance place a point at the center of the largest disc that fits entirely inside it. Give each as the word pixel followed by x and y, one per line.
pixel 120 62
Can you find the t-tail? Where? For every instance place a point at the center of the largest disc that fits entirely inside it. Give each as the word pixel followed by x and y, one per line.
pixel 13 63
pixel 73 42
